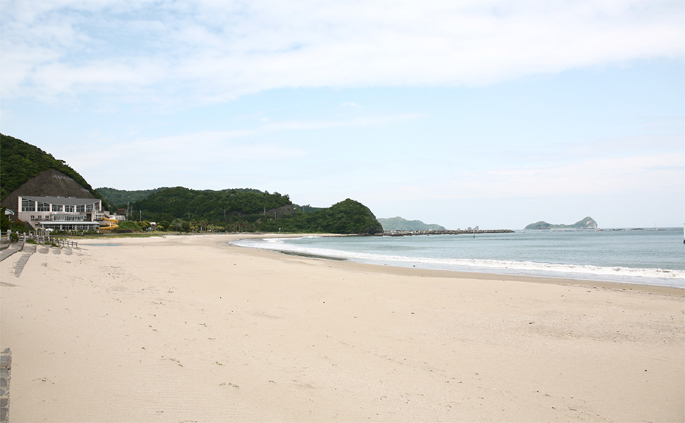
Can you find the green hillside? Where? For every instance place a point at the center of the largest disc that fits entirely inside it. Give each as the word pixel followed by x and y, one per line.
pixel 252 210
pixel 345 217
pixel 21 161
pixel 307 208
pixel 587 223
pixel 122 197
pixel 185 209
pixel 400 224
pixel 184 203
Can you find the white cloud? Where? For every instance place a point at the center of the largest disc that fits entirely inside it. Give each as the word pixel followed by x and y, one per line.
pixel 211 51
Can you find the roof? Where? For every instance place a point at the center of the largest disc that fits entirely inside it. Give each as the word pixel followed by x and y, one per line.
pixel 67 222
pixel 67 201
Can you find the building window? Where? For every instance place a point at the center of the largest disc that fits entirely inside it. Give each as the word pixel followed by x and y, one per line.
pixel 89 208
pixel 57 207
pixel 43 206
pixel 69 209
pixel 28 205
pixel 69 217
pixel 80 208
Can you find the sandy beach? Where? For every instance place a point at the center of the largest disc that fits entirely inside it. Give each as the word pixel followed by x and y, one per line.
pixel 190 329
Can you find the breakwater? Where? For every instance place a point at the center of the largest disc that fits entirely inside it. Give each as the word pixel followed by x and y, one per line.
pixel 446 232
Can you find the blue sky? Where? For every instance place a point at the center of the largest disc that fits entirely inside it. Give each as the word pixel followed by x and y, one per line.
pixel 492 113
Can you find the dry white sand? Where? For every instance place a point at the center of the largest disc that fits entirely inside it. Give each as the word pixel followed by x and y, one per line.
pixel 189 329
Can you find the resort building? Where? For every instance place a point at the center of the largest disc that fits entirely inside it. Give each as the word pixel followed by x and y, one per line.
pixel 60 213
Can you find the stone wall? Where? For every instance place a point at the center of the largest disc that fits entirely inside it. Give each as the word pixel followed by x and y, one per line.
pixel 5 367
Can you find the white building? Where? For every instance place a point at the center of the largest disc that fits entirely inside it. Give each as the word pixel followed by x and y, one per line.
pixel 60 213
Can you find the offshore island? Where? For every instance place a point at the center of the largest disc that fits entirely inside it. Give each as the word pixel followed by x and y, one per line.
pixel 178 327
pixel 587 223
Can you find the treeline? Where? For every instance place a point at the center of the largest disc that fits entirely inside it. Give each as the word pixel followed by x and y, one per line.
pixel 241 210
pixel 22 161
pixel 345 217
pixel 121 197
pixel 215 206
pixel 184 209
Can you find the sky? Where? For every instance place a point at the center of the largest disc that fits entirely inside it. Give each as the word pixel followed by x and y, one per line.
pixel 489 113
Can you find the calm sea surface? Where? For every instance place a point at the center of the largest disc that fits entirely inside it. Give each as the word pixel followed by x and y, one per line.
pixel 632 256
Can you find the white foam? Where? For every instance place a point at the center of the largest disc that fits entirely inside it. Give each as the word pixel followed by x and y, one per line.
pixel 627 274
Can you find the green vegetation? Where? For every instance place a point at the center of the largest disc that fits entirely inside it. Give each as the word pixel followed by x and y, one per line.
pixel 7 224
pixel 214 206
pixel 345 217
pixel 122 197
pixel 128 226
pixel 307 208
pixel 399 224
pixel 5 221
pixel 587 223
pixel 185 210
pixel 22 161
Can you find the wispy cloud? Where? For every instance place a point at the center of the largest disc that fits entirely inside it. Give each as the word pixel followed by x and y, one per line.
pixel 208 51
pixel 203 148
pixel 609 176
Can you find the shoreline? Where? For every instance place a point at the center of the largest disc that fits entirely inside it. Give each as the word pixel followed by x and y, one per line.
pixel 660 289
pixel 194 329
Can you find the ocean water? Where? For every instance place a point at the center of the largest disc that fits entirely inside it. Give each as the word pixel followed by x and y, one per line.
pixel 652 257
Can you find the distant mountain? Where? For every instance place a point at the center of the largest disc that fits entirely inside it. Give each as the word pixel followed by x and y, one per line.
pixel 400 224
pixel 587 223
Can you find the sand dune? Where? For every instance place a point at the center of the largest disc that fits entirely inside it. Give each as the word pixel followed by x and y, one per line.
pixel 190 329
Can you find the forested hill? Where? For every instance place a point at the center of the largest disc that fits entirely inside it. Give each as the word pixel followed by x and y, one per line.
pixel 345 217
pixel 400 224
pixel 251 210
pixel 21 161
pixel 180 202
pixel 120 197
pixel 185 209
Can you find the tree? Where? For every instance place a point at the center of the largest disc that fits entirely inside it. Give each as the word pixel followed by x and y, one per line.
pixel 5 221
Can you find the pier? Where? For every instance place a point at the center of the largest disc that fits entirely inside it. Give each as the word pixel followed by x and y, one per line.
pixel 446 232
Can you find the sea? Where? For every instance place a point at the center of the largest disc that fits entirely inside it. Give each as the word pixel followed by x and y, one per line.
pixel 650 257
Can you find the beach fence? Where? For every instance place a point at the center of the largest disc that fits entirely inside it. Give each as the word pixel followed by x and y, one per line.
pixel 39 237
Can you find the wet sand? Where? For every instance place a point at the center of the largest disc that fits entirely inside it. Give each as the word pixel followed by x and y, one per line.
pixel 190 329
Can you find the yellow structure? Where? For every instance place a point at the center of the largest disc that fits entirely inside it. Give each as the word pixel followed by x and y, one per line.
pixel 109 224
